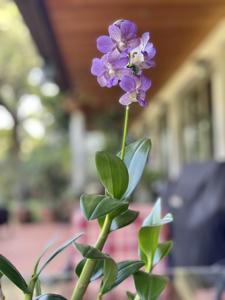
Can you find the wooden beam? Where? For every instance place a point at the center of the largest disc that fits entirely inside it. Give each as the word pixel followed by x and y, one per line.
pixel 36 18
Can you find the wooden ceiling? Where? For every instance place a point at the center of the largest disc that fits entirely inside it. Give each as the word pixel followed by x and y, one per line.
pixel 176 27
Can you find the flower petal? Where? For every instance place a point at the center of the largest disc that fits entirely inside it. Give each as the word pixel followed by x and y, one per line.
pixel 150 50
pixel 120 63
pixel 145 83
pixel 104 44
pixel 97 67
pixel 125 99
pixel 134 43
pixel 102 81
pixel 128 83
pixel 128 29
pixel 114 32
pixel 144 39
pixel 113 81
pixel 141 98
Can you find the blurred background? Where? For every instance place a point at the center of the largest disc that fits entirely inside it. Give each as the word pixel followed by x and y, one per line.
pixel 54 117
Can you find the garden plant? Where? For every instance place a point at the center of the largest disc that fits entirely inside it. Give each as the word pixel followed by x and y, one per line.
pixel 125 56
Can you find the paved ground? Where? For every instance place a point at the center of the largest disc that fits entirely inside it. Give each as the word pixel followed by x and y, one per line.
pixel 24 243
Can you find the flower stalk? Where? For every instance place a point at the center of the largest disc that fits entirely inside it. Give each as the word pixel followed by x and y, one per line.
pixel 86 273
pixel 125 127
pixel 31 288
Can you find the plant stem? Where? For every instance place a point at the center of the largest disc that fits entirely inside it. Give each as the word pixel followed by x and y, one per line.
pixel 125 127
pixel 85 276
pixel 31 288
pixel 99 296
pixel 2 297
pixel 86 273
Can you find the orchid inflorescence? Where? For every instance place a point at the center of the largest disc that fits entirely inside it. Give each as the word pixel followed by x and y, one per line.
pixel 125 57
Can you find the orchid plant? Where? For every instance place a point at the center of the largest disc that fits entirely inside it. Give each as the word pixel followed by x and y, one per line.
pixel 125 56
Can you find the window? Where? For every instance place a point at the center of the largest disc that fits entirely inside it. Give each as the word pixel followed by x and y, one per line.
pixel 196 123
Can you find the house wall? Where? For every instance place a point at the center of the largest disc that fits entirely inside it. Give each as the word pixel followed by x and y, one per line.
pixel 196 95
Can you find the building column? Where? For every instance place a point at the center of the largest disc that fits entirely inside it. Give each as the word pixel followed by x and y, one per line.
pixel 175 161
pixel 218 105
pixel 77 134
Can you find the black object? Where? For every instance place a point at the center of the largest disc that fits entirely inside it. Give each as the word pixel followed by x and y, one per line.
pixel 197 201
pixel 4 216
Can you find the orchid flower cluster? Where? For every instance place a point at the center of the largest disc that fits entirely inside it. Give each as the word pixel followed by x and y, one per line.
pixel 125 57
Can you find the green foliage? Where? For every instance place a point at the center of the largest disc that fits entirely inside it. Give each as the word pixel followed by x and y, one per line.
pixel 113 174
pixel 125 270
pixel 148 236
pixel 120 179
pixel 96 206
pixel 126 218
pixel 155 219
pixel 28 167
pixel 50 297
pixel 56 252
pixel 38 291
pixel 97 271
pixel 148 241
pixel 10 271
pixel 162 251
pixel 109 269
pixel 17 55
pixel 149 286
pixel 130 296
pixel 136 155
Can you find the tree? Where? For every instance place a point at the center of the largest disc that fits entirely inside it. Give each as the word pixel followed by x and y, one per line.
pixel 17 57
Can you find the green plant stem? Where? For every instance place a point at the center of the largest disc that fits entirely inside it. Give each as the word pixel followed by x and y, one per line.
pixel 99 296
pixel 1 292
pixel 88 268
pixel 31 288
pixel 125 127
pixel 85 276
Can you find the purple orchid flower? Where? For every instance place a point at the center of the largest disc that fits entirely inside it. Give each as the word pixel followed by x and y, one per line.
pixel 122 36
pixel 135 88
pixel 125 57
pixel 141 56
pixel 109 68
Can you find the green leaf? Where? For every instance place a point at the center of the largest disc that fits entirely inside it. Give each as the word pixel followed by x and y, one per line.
pixel 38 288
pixel 125 269
pixel 50 297
pixel 162 251
pixel 112 173
pixel 149 286
pixel 110 267
pixel 136 155
pixel 10 271
pixel 96 206
pixel 47 247
pixel 155 216
pixel 90 252
pixel 124 219
pixel 58 251
pixel 130 296
pixel 148 241
pixel 110 272
pixel 148 235
pixel 97 272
